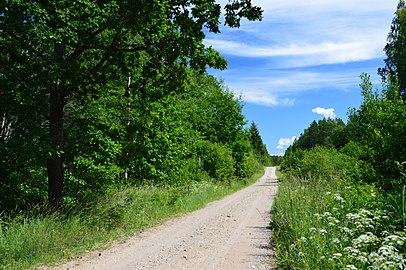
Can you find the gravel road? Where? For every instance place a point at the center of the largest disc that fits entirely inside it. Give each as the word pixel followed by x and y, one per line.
pixel 231 233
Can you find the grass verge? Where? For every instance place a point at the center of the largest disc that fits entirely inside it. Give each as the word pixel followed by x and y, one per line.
pixel 335 224
pixel 30 241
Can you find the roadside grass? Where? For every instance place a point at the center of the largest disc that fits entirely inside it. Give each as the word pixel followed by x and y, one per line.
pixel 336 224
pixel 42 238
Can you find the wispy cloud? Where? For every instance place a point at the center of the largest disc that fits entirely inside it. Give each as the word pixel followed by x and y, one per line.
pixel 327 113
pixel 297 55
pixel 314 31
pixel 303 54
pixel 280 87
pixel 293 49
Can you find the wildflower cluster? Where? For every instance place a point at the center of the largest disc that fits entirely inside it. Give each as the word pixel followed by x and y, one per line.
pixel 359 240
pixel 320 224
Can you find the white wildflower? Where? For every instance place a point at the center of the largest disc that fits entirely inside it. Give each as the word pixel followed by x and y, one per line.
pixel 337 255
pixel 338 198
pixel 336 241
pixel 322 231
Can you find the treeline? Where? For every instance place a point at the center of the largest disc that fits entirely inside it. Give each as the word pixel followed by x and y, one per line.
pixel 100 94
pixel 374 136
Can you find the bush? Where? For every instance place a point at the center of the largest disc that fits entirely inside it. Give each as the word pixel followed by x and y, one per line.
pixel 320 162
pixel 217 160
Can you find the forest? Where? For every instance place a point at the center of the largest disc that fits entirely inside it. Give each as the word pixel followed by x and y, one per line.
pixel 341 202
pixel 121 99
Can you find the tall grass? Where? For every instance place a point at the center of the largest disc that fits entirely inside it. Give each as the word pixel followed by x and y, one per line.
pixel 331 222
pixel 29 240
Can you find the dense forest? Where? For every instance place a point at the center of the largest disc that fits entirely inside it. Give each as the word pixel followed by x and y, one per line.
pixel 342 200
pixel 118 99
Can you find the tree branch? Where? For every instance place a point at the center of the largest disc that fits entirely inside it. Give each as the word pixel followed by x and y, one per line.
pixel 107 54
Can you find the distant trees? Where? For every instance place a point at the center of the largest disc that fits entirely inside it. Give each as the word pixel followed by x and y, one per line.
pixel 395 49
pixel 325 132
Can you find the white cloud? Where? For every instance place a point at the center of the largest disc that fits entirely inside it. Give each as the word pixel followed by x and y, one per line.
pixel 281 87
pixel 317 53
pixel 285 142
pixel 327 113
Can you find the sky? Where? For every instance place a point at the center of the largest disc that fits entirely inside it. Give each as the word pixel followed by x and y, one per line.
pixel 302 62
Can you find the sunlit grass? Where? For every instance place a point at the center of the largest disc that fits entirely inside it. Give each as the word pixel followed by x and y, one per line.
pixel 31 240
pixel 332 224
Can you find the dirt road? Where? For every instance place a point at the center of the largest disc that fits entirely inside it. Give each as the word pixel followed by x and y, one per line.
pixel 231 233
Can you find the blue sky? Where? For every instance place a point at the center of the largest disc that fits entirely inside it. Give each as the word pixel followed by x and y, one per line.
pixel 303 61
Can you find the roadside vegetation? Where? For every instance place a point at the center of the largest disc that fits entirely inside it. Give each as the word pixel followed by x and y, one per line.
pixel 341 202
pixel 37 237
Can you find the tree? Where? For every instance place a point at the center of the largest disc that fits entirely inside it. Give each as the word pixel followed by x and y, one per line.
pixel 64 50
pixel 257 144
pixel 377 131
pixel 395 49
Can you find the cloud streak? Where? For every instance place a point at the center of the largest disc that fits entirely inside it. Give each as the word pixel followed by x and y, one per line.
pixel 299 55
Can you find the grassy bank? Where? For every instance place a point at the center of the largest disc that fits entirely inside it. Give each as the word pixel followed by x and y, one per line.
pixel 37 238
pixel 331 222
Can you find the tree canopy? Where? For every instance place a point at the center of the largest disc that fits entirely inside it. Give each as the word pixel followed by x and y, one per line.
pixel 57 52
pixel 395 49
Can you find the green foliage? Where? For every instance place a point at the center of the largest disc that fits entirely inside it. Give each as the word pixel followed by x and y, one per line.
pixel 322 163
pixel 217 160
pixel 257 145
pixel 325 132
pixel 378 129
pixel 395 68
pixel 54 56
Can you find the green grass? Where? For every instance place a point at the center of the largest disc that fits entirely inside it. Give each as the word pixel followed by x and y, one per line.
pixel 334 224
pixel 29 241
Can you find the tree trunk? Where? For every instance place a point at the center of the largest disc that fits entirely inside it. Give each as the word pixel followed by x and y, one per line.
pixel 56 126
pixel 55 162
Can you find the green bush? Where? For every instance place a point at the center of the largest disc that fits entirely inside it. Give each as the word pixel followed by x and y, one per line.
pixel 217 160
pixel 320 162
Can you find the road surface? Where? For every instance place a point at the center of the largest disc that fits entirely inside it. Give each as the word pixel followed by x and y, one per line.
pixel 231 233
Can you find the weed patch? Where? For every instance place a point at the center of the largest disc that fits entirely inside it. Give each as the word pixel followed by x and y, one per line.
pixel 334 224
